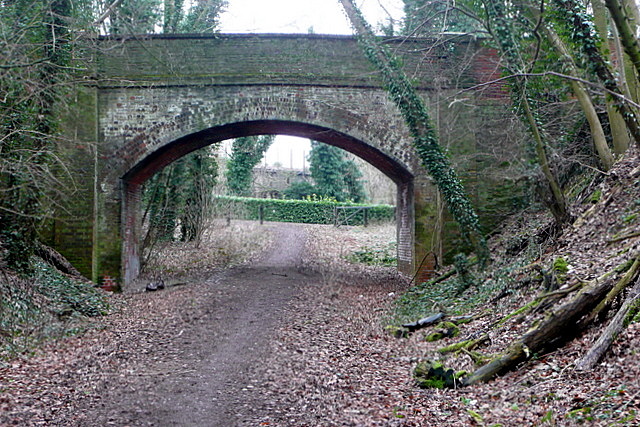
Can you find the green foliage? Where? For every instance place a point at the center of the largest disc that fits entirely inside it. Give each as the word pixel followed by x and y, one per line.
pixel 167 16
pixel 596 196
pixel 425 139
pixel 68 296
pixel 560 266
pixel 301 211
pixel 428 298
pixel 203 16
pixel 135 17
pixel 245 155
pixel 334 175
pixel 43 306
pixel 299 190
pixel 385 256
pixel 427 17
pixel 36 51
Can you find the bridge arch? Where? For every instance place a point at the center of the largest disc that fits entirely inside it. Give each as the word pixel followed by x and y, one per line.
pixel 151 162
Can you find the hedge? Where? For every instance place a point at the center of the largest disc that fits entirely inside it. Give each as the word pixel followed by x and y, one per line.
pixel 302 211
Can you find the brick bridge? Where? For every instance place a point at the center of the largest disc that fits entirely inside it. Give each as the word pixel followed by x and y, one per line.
pixel 152 99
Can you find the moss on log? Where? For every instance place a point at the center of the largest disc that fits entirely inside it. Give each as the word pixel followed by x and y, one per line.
pixel 467 345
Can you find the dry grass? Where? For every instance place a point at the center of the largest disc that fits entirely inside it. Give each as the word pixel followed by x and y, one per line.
pixel 221 246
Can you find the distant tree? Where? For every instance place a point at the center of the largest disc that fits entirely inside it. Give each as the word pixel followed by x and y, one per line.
pixel 178 197
pixel 203 16
pixel 334 175
pixel 135 17
pixel 246 153
pixel 166 16
pixel 299 190
pixel 433 17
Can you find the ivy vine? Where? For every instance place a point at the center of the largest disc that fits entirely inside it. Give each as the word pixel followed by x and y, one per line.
pixel 425 139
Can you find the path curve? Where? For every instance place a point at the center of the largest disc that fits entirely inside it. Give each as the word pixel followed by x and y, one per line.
pixel 214 380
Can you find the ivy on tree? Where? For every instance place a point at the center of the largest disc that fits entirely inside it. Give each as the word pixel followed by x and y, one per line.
pixel 178 197
pixel 246 153
pixel 35 46
pixel 425 139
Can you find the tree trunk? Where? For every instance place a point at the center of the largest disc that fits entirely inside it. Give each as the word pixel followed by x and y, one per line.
pixel 619 133
pixel 582 35
pixel 558 202
pixel 626 32
pixel 597 132
pixel 618 323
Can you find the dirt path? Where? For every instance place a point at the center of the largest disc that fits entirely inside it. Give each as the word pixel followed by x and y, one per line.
pixel 210 378
pixel 292 339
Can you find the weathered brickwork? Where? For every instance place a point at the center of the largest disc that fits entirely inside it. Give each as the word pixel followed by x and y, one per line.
pixel 160 98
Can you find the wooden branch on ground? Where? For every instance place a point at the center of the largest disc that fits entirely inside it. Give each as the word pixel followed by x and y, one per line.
pixel 558 326
pixel 439 317
pixel 466 345
pixel 423 323
pixel 620 321
pixel 535 302
pixel 624 237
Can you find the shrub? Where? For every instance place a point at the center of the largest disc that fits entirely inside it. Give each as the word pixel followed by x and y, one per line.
pixel 302 211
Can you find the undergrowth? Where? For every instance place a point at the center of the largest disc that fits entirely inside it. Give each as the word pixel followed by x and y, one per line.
pixel 384 256
pixel 464 294
pixel 42 306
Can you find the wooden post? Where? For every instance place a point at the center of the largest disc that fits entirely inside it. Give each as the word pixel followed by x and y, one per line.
pixel 261 214
pixel 366 216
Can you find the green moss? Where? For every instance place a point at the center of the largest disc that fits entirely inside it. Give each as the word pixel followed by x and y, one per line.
pixel 596 196
pixel 560 265
pixel 430 374
pixel 435 336
pixel 397 331
pixel 446 330
pixel 560 269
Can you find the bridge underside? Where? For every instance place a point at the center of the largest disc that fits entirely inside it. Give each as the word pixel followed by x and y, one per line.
pixel 133 180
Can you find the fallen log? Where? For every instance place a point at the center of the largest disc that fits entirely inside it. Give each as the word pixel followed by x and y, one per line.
pixel 437 318
pixel 620 286
pixel 558 326
pixel 535 302
pixel 621 320
pixel 467 345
